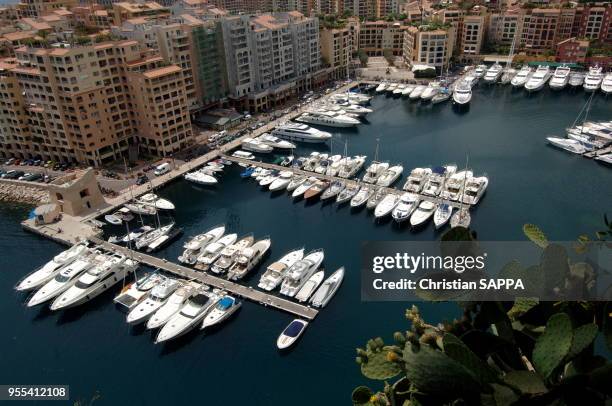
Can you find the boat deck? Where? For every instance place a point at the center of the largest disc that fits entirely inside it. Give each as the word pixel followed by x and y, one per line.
pixel 246 292
pixel 599 152
pixel 266 165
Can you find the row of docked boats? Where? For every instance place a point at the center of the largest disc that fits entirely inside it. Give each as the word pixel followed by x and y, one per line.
pixel 561 77
pixel 586 137
pixel 148 238
pixel 209 173
pixel 148 204
pixel 435 91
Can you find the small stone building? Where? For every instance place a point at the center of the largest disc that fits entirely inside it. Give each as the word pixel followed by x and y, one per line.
pixel 76 193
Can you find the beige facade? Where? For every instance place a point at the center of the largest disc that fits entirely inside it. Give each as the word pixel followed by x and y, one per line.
pixel 472 34
pixel 539 31
pixel 38 8
pixel 433 48
pixel 123 11
pixel 76 193
pixel 377 36
pixel 337 46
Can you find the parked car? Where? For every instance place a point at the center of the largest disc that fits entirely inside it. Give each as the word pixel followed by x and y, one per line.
pixel 24 176
pixel 33 177
pixel 10 161
pixel 13 174
pixel 142 180
pixel 162 169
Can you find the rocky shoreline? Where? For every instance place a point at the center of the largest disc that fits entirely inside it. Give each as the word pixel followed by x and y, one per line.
pixel 22 194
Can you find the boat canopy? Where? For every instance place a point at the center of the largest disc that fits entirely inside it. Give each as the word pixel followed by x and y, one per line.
pixel 226 303
pixel 294 328
pixel 439 170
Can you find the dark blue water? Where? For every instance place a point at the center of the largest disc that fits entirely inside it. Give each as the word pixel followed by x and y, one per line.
pixel 92 349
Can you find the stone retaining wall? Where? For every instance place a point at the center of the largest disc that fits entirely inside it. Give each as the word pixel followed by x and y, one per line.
pixel 23 192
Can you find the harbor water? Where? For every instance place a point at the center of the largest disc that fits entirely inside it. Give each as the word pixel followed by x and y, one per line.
pixel 92 349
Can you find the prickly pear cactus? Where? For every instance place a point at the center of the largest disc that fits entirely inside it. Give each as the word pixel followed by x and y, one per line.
pixel 378 361
pixel 457 350
pixel 583 336
pixel 553 345
pixel 536 235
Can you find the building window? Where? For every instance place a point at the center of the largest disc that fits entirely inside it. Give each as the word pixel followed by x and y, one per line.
pixel 84 193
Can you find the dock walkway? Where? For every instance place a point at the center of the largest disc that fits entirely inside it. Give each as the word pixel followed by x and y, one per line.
pixel 246 292
pixel 266 165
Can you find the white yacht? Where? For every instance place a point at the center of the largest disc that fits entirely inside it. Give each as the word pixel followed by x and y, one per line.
pixel 461 218
pixel 569 145
pixel 606 159
pixel 386 205
pixel 131 236
pixel 480 71
pixel 153 200
pixel 328 289
pixel 248 259
pixel 94 281
pixel 333 190
pixel 189 317
pixel 576 79
pixel 194 246
pixel 436 180
pixel 156 298
pixel 355 109
pixel 282 181
pixel 275 142
pixel 137 291
pixel 391 87
pixel 225 307
pixel 146 239
pixel 230 253
pixel 462 94
pixel 376 198
pixel 606 83
pixel 140 208
pixel 296 182
pixel 48 271
pixel 560 78
pixel 430 91
pixel 422 213
pixel 310 286
pixel 63 280
pixel 362 196
pixel 301 133
pixel 416 180
pixel 201 177
pixel 329 119
pixel 474 189
pixel 275 273
pixel 539 78
pixel 382 87
pixel 390 175
pixel 173 305
pixel 399 89
pixel 300 272
pixel 442 214
pixel 523 75
pixel 507 75
pixel 417 92
pixel 455 184
pixel 407 90
pixel 347 193
pixel 406 205
pixel 355 98
pixel 255 145
pixel 243 155
pixel 375 171
pixel 349 166
pixel 266 181
pixel 301 189
pixel 213 251
pixel 291 333
pixel 593 79
pixel 493 73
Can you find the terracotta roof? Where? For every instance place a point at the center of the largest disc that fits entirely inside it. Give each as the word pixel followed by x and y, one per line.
pixel 166 70
pixel 19 35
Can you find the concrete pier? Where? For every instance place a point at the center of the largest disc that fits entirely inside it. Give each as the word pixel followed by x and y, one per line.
pixel 236 289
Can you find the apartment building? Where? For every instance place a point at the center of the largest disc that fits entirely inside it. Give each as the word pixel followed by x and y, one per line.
pixel 38 8
pixel 423 46
pixel 472 34
pixel 210 62
pixel 80 103
pixel 594 22
pixel 244 6
pixel 572 50
pixel 123 11
pixel 503 27
pixel 337 47
pixel 377 36
pixel 365 9
pixel 539 32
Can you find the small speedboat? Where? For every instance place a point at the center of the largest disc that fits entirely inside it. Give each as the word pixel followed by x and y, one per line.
pixel 140 208
pixel 386 205
pixel 301 189
pixel 569 145
pixel 442 214
pixel 407 203
pixel 328 289
pixel 422 213
pixel 417 92
pixel 295 182
pixel 173 305
pixel 275 273
pixel 375 198
pixel 389 176
pixel 316 189
pixel 153 200
pixel 310 286
pixel 333 190
pixel 291 333
pixel 362 196
pixel 347 193
pixel 226 306
pixel 461 218
pixel 282 181
pixel 155 299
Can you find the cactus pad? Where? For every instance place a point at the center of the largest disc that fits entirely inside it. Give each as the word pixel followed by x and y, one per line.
pixel 552 347
pixel 583 337
pixel 536 235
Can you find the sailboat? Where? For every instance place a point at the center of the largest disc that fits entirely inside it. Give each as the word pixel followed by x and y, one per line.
pixel 462 217
pixel 376 168
pixel 509 72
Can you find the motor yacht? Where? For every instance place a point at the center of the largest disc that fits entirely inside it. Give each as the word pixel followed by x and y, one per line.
pixel 569 145
pixel 152 199
pixel 430 91
pixel 201 177
pixel 399 89
pixel 255 145
pixel 310 286
pixel 95 281
pixel 312 161
pixel 301 189
pixel 462 94
pixel 435 181
pixel 295 182
pixel 442 214
pixel 390 175
pixel 461 218
pixel 282 181
pixel 560 78
pixel 287 161
pixel 391 87
pixel 362 196
pixel 131 236
pixel 606 83
pixel 189 317
pixel 375 198
pixel 356 109
pixel 480 71
pixel 407 90
pixel 355 98
pixel 443 95
pixel 593 79
pixel 406 205
pixel 137 291
pixel 63 280
pixel 576 79
pixel 194 246
pixel 455 184
pixel 350 166
pixel 275 273
pixel 146 239
pixel 291 333
pixel 118 217
pixel 417 92
pixel 300 272
pixel 493 73
pixel 375 171
pixel 323 164
pixel 347 193
pixel 422 213
pixel 50 270
pixel 417 179
pixel 522 76
pixel 142 209
pixel 605 159
pixel 275 142
pixel 213 251
pixel 474 189
pixel 507 76
pixel 333 190
pixel 386 205
pixel 243 155
pixel 329 119
pixel 382 87
pixel 328 289
pixel 248 259
pixel 156 298
pixel 225 307
pixel 539 78
pixel 316 189
pixel 173 305
pixel 229 254
pixel 266 181
pixel 301 133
